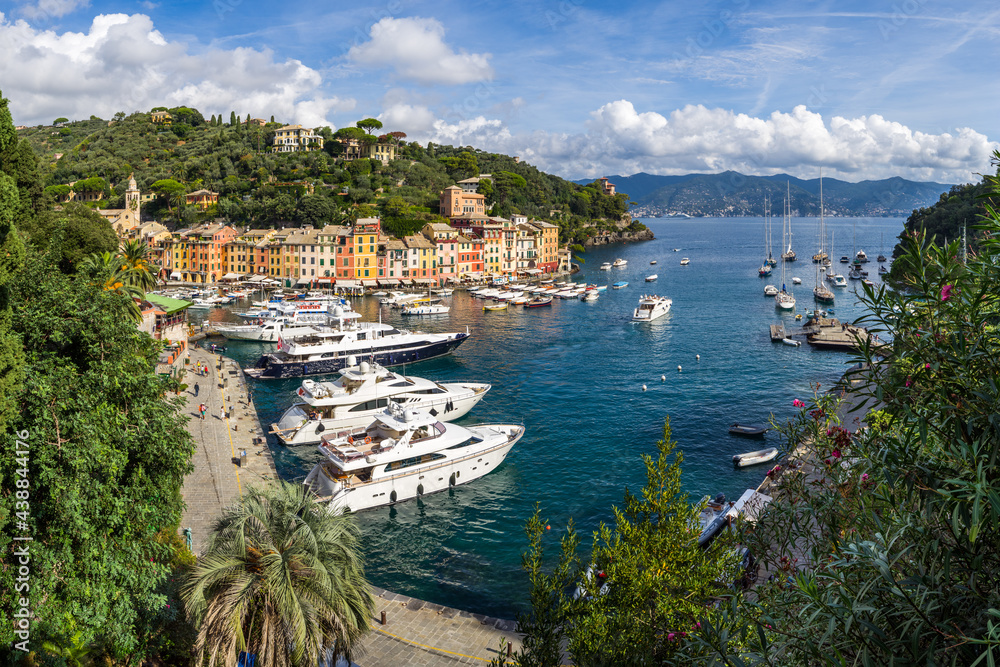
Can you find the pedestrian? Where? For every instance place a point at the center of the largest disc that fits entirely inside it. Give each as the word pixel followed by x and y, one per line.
pixel 202 409
pixel 222 413
pixel 196 388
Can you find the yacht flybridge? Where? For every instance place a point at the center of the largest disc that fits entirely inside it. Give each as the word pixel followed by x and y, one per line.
pixel 405 454
pixel 330 349
pixel 363 391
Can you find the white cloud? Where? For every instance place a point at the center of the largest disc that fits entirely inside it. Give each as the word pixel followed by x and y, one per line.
pixel 620 139
pixel 44 9
pixel 122 63
pixel 415 49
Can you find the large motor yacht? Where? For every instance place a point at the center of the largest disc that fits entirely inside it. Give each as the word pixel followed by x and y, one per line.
pixel 405 454
pixel 330 349
pixel 651 307
pixel 270 330
pixel 363 391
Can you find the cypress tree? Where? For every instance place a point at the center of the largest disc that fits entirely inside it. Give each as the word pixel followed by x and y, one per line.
pixel 232 118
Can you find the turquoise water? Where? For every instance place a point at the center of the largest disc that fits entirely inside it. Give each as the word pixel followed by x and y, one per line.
pixel 573 373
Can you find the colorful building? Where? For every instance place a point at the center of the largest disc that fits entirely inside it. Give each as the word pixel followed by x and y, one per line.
pixel 457 203
pixel 292 138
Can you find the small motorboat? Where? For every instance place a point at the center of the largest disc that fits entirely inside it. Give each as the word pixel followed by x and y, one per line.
pixel 747 430
pixel 770 290
pixel 495 305
pixel 606 266
pixel 620 284
pixel 791 342
pixel 685 261
pixel 652 261
pixel 651 278
pixel 754 458
pixel 796 281
pixel 538 302
pixel 677 249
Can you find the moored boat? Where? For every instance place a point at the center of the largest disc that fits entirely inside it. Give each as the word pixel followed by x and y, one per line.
pixel 755 458
pixel 747 430
pixel 619 285
pixel 618 263
pixel 685 261
pixel 651 278
pixel 495 305
pixel 405 454
pixel 651 307
pixel 538 302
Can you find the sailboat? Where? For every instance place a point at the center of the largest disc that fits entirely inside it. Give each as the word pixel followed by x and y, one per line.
pixel 784 300
pixel 788 255
pixel 765 268
pixel 881 257
pixel 821 292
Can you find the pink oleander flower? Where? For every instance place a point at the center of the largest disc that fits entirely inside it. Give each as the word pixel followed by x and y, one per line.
pixel 670 637
pixel 927 366
pixel 864 477
pixel 798 404
pixel 909 381
pixel 835 453
pixel 946 292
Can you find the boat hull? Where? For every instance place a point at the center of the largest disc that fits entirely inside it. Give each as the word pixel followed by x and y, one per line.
pixel 423 480
pixel 269 367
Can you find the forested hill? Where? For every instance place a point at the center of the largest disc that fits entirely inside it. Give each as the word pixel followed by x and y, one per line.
pixel 261 188
pixel 733 194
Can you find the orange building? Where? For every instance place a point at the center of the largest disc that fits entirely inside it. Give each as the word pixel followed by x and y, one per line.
pixel 457 203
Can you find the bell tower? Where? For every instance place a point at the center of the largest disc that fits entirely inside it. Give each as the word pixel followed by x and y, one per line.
pixel 132 201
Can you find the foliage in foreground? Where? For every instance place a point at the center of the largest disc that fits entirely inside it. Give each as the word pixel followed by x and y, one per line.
pixel 897 531
pixel 282 579
pixel 644 591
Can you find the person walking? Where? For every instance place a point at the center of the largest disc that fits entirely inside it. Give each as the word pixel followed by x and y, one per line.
pixel 202 409
pixel 222 412
pixel 196 389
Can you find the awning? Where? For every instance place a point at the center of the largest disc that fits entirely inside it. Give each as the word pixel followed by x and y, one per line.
pixel 231 276
pixel 388 282
pixel 257 279
pixel 176 275
pixel 531 271
pixel 304 280
pixel 368 283
pixel 424 281
pixel 347 283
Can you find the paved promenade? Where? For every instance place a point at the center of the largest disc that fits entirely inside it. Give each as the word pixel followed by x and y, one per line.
pixel 217 479
pixel 429 635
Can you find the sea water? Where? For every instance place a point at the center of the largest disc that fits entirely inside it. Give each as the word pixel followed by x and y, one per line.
pixel 573 373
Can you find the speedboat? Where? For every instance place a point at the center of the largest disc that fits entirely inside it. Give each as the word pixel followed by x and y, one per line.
pixel 652 261
pixel 618 263
pixel 651 307
pixel 685 261
pixel 845 259
pixel 538 301
pixel 755 458
pixel 606 266
pixel 425 309
pixel 591 295
pixel 405 454
pixel 620 284
pixel 363 391
pixel 330 349
pixel 651 278
pixel 839 280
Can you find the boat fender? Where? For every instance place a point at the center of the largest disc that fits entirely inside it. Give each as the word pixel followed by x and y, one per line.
pixel 350 440
pixel 420 489
pixel 644 387
pixel 392 496
pixel 679 369
pixel 663 378
pixel 451 480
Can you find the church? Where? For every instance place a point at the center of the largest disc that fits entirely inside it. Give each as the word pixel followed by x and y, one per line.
pixel 124 219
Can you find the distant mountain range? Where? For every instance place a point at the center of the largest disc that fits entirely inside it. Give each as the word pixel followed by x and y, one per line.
pixel 733 194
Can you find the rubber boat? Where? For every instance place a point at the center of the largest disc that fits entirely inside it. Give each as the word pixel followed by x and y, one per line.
pixel 747 430
pixel 754 458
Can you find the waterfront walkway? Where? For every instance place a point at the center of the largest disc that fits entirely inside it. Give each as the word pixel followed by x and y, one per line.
pixel 218 479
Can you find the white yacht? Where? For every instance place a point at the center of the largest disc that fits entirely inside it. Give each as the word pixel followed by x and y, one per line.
pixel 296 309
pixel 685 261
pixel 425 307
pixel 330 349
pixel 651 307
pixel 363 391
pixel 405 454
pixel 839 280
pixel 619 262
pixel 606 266
pixel 270 330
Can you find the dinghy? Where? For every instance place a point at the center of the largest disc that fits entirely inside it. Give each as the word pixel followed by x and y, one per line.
pixel 753 458
pixel 747 430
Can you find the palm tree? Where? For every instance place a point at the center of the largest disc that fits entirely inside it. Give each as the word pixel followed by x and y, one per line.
pixel 283 579
pixel 138 265
pixel 112 272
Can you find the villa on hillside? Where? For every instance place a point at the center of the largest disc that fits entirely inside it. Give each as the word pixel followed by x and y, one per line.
pixel 457 203
pixel 202 198
pixel 292 138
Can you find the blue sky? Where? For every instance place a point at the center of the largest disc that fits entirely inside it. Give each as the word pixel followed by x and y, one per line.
pixel 578 88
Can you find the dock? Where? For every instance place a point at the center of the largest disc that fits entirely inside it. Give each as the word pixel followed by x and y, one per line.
pixel 221 474
pixel 778 332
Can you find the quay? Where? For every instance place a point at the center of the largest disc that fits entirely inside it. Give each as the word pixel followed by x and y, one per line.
pixel 826 333
pixel 416 632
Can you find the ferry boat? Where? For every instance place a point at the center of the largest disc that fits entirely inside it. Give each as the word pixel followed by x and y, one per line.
pixel 363 391
pixel 618 263
pixel 651 307
pixel 405 454
pixel 329 350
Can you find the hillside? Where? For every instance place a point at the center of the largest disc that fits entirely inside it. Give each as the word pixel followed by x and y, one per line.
pixel 259 188
pixel 733 194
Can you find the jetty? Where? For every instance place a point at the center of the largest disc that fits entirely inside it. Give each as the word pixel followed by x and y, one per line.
pixel 830 334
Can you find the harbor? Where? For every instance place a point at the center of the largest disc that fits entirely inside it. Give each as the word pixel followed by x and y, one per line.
pixel 572 373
